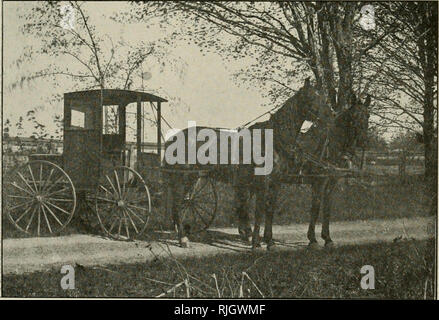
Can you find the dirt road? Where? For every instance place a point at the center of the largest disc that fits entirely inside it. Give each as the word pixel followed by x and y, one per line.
pixel 39 254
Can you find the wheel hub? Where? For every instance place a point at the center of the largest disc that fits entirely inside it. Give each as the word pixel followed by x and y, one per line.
pixel 120 203
pixel 39 198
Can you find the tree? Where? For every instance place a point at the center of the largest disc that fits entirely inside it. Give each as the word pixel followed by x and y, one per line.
pixel 405 89
pixel 376 141
pixel 76 49
pixel 316 37
pixel 65 31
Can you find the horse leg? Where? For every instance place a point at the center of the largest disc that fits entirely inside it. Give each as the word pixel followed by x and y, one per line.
pixel 240 201
pixel 173 202
pixel 259 215
pixel 314 214
pixel 327 205
pixel 270 205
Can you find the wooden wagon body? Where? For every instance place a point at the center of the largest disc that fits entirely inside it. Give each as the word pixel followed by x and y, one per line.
pixel 40 197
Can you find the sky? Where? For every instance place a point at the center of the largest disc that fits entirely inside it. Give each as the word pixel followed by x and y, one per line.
pixel 208 93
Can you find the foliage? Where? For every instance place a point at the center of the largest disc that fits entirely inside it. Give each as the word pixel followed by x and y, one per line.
pixel 405 141
pixel 286 40
pixel 66 32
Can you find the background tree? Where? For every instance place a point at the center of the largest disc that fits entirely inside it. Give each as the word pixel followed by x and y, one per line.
pixel 405 88
pixel 77 50
pixel 285 38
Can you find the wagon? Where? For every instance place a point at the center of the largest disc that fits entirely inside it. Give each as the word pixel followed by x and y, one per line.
pixel 100 169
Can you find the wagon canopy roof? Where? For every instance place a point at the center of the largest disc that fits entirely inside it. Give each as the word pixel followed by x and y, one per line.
pixel 114 96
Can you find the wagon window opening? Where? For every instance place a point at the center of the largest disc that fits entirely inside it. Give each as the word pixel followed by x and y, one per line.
pixel 111 119
pixel 78 119
pixel 81 117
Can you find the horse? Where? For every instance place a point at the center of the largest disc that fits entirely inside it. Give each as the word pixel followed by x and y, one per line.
pixel 286 122
pixel 330 144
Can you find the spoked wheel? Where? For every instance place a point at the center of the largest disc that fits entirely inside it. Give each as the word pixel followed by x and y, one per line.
pixel 39 198
pixel 199 206
pixel 123 203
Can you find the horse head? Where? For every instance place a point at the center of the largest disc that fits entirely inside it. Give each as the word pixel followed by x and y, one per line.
pixel 354 121
pixel 306 104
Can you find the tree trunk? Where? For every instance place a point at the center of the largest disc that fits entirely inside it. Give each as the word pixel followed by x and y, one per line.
pixel 427 47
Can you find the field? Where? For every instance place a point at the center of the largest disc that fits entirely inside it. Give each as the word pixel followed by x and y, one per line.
pixel 403 270
pixel 384 199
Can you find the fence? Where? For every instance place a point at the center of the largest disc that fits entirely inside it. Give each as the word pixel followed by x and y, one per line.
pixel 400 164
pixel 16 150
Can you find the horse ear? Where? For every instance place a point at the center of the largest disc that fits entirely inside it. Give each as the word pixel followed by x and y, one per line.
pixel 367 101
pixel 307 83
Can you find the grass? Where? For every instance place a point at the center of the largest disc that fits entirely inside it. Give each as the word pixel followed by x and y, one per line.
pixel 388 200
pixel 403 270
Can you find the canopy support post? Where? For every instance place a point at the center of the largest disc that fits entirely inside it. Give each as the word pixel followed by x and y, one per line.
pixel 159 130
pixel 139 131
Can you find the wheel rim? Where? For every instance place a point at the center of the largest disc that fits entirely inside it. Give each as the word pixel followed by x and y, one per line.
pixel 39 198
pixel 199 206
pixel 123 203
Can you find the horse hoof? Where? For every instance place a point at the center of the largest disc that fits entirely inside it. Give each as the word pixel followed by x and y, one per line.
pixel 184 242
pixel 313 245
pixel 329 245
pixel 272 247
pixel 256 247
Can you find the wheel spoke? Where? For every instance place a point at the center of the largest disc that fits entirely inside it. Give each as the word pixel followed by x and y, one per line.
pixel 120 227
pixel 28 185
pixel 54 184
pixel 195 192
pixel 20 197
pixel 56 207
pixel 136 207
pixel 202 207
pixel 117 182
pixel 33 178
pixel 24 213
pixel 20 205
pixel 31 218
pixel 106 190
pixel 60 200
pixel 131 220
pixel 126 223
pixel 184 211
pixel 128 209
pixel 56 192
pixel 39 220
pixel 18 187
pixel 47 220
pixel 43 189
pixel 112 225
pixel 104 199
pixel 111 184
pixel 198 205
pixel 41 176
pixel 201 216
pixel 124 186
pixel 53 215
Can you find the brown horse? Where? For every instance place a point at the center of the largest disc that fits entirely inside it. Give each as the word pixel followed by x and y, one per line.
pixel 328 145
